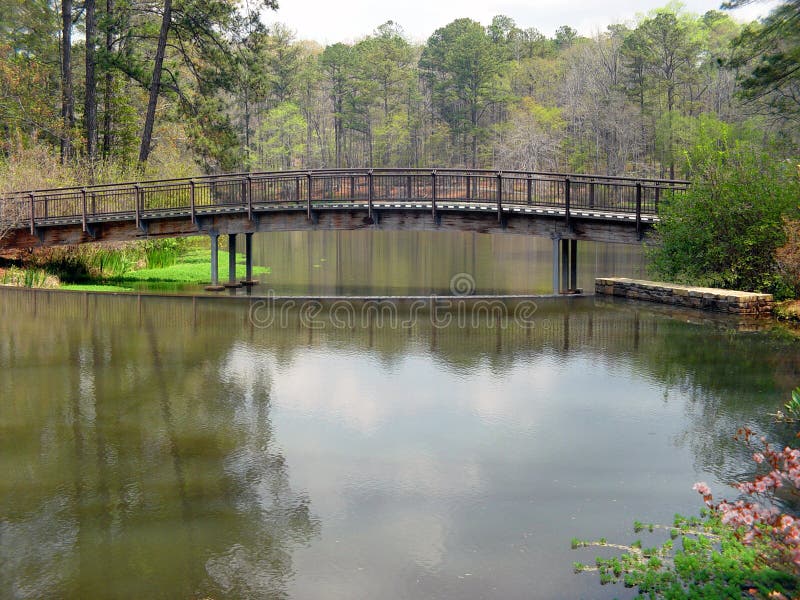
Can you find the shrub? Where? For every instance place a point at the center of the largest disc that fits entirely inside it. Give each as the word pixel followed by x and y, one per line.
pixel 725 231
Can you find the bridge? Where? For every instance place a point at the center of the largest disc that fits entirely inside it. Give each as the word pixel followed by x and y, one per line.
pixel 564 207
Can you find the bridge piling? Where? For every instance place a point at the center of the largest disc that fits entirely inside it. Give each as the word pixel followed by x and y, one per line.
pixel 248 261
pixel 556 266
pixel 573 264
pixel 232 283
pixel 565 265
pixel 215 286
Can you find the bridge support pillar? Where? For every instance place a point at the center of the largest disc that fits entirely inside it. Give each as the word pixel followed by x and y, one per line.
pixel 556 267
pixel 215 286
pixel 248 260
pixel 565 266
pixel 232 283
pixel 573 264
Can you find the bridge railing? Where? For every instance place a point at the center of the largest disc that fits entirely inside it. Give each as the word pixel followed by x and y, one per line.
pixel 316 189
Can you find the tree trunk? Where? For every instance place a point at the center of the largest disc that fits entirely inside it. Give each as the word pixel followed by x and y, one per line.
pixel 155 84
pixel 67 96
pixel 90 101
pixel 108 96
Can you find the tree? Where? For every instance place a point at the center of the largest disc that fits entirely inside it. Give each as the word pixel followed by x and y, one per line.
pixel 335 61
pixel 769 55
pixel 201 45
pixel 462 68
pixel 90 98
pixel 565 36
pixel 725 230
pixel 280 138
pixel 67 94
pixel 664 49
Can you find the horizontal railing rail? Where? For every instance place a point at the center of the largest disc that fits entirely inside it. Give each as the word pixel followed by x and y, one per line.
pixel 568 194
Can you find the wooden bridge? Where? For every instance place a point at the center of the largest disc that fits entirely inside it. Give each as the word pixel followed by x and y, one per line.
pixel 563 207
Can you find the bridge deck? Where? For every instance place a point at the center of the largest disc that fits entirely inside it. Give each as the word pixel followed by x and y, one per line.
pixel 49 217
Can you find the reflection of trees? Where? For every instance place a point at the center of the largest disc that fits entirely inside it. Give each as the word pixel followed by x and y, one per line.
pixel 138 445
pixel 134 466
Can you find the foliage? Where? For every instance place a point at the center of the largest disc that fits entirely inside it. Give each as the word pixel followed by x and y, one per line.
pixel 704 558
pixel 788 256
pixel 725 230
pixel 792 407
pixel 770 55
pixel 236 93
pixel 31 278
pixel 462 68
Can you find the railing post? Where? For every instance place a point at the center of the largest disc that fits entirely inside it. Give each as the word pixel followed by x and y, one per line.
pixel 353 188
pixel 433 194
pixel 469 187
pixel 33 216
pixel 83 208
pixel 658 197
pixel 408 187
pixel 499 196
pixel 566 200
pixel 297 188
pixel 639 210
pixel 308 196
pixel 530 188
pixel 249 190
pixel 192 200
pixel 369 193
pixel 137 194
pixel 591 193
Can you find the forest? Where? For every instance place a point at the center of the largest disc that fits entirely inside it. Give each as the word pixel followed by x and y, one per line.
pixel 176 87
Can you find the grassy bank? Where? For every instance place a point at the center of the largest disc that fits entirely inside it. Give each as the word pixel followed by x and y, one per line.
pixel 124 267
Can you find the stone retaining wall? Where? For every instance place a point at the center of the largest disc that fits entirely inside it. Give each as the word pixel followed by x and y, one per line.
pixel 726 301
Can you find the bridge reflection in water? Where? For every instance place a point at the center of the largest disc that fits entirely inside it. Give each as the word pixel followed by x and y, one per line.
pixel 563 207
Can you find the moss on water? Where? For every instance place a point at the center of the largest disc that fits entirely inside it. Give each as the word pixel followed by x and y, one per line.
pixel 91 287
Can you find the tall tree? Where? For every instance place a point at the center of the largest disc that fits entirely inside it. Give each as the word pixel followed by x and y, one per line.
pixel 462 67
pixel 90 98
pixel 67 93
pixel 772 51
pixel 666 50
pixel 155 82
pixel 336 62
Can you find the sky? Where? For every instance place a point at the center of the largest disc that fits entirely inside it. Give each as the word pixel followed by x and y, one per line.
pixel 330 21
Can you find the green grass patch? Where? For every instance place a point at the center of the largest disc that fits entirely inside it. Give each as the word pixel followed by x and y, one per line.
pixel 192 267
pixel 91 287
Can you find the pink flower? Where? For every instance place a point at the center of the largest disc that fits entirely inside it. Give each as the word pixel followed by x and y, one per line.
pixel 758 457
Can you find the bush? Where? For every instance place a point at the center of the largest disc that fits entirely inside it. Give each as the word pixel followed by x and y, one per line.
pixel 725 231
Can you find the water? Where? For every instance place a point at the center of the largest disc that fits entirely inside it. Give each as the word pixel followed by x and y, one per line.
pixel 173 447
pixel 418 263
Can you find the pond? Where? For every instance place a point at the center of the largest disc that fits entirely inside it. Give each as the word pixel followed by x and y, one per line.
pixel 415 263
pixel 183 447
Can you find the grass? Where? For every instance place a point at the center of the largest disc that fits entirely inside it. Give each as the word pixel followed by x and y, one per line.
pixel 166 264
pixel 91 287
pixel 192 267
